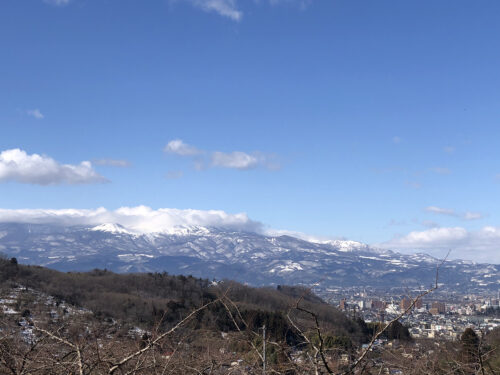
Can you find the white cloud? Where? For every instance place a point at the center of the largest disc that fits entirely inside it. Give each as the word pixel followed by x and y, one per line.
pixel 16 165
pixel 113 163
pixel 178 147
pixel 226 8
pixel 450 212
pixel 441 211
pixel 302 4
pixel 35 113
pixel 57 2
pixel 472 215
pixel 140 219
pixel 235 160
pixel 244 161
pixel 481 245
pixel 218 159
pixel 435 236
pixel 231 8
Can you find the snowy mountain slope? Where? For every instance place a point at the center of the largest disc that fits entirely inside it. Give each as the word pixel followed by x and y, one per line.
pixel 243 256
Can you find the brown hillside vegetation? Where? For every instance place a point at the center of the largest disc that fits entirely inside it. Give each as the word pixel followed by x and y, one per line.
pixel 100 322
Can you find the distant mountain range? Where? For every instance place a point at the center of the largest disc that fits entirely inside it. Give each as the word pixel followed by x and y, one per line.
pixel 243 256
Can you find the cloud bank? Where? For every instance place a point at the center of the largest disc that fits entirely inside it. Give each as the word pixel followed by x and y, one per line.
pixel 19 166
pixel 140 219
pixel 480 245
pixel 217 159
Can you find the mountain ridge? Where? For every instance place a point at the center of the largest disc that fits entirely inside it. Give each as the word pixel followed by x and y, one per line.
pixel 244 256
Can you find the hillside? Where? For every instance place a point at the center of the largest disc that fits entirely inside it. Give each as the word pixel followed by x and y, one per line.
pixel 144 299
pixel 100 322
pixel 130 309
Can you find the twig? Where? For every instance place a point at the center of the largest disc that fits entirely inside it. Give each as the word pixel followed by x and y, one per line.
pixel 65 342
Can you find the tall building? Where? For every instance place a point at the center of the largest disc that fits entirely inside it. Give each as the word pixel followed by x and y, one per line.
pixel 405 304
pixel 378 305
pixel 437 308
pixel 419 303
pixel 343 304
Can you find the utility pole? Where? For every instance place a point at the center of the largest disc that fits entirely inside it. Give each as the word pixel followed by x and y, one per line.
pixel 264 349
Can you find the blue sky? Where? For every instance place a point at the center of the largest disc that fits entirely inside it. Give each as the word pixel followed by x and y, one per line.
pixel 376 121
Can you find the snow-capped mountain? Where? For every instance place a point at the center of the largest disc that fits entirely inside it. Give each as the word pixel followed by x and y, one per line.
pixel 244 256
pixel 111 228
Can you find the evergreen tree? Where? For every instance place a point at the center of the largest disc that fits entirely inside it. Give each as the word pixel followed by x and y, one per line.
pixel 470 347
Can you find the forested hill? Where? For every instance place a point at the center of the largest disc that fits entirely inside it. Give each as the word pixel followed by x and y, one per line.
pixel 144 299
